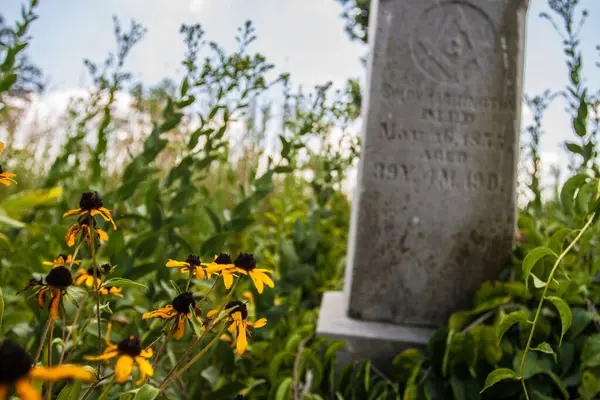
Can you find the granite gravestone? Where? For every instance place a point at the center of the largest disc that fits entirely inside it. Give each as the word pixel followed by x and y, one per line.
pixel 434 211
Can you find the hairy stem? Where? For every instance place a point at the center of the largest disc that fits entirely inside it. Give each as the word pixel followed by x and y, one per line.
pixel 97 290
pixel 546 287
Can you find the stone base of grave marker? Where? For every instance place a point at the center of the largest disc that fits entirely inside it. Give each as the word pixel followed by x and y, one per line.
pixel 378 342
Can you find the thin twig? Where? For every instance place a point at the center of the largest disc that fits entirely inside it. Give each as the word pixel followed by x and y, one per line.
pixel 49 389
pixel 594 311
pixel 97 287
pixel 164 344
pixel 42 341
pixel 77 314
pixel 94 385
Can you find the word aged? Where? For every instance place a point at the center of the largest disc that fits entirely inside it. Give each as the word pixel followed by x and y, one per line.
pixel 442 177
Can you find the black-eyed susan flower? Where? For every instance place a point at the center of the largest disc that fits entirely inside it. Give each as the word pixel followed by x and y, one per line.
pixel 244 264
pixel 84 227
pixel 6 178
pixel 91 205
pixel 179 309
pixel 63 260
pixel 224 266
pixel 57 282
pixel 238 312
pixel 191 264
pixel 108 290
pixel 89 277
pixel 128 351
pixel 16 368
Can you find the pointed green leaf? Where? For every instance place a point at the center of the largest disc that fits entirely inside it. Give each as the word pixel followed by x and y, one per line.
pixel 509 320
pixel 532 258
pixel 564 312
pixel 567 193
pixel 498 375
pixel 558 238
pixel 537 282
pixel 122 283
pixel 559 384
pixel 147 392
pixel 545 348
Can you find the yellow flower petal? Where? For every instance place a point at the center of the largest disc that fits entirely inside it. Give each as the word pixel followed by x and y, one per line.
pixel 72 212
pixel 65 371
pixel 41 296
pixel 242 341
pixel 107 355
pixel 211 313
pixel 145 369
pixel 227 279
pixel 258 283
pixel 180 330
pixel 265 278
pixel 165 312
pixel 257 324
pixel 123 368
pixel 1 146
pixel 55 304
pixel 174 263
pixel 3 389
pixel 147 353
pixel 27 391
pixel 102 234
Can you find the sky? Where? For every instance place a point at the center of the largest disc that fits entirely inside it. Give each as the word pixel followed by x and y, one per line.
pixel 303 37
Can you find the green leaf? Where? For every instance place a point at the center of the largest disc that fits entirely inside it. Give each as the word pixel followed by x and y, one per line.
pixel 1 309
pixel 574 148
pixel 7 81
pixel 545 348
pixel 214 244
pixel 214 218
pixel 284 390
pixel 590 353
pixel 579 127
pixel 589 385
pixel 559 384
pixel 123 283
pixel 564 312
pixel 21 203
pixel 506 321
pixel 537 282
pixel 70 392
pixel 532 258
pixel 406 362
pixel 147 392
pixel 567 193
pixel 558 238
pixel 498 375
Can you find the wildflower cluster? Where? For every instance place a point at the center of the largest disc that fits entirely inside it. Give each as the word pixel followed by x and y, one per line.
pixel 231 317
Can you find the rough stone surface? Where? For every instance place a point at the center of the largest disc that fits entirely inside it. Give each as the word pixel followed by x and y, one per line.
pixel 434 211
pixel 379 342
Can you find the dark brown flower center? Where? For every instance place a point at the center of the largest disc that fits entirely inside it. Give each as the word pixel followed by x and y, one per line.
pixel 182 303
pixel 59 277
pixel 130 346
pixel 90 201
pixel 92 270
pixel 223 258
pixel 245 261
pixel 237 306
pixel 193 260
pixel 63 256
pixel 1 170
pixel 15 362
pixel 106 268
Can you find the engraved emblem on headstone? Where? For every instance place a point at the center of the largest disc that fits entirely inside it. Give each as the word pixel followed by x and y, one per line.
pixel 453 42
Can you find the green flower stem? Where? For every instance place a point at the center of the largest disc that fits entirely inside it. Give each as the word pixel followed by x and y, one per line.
pixel 189 280
pixel 49 389
pixel 197 342
pixel 42 341
pixel 207 293
pixel 97 287
pixel 75 319
pixel 164 344
pixel 75 253
pixel 548 282
pixel 194 359
pixel 95 384
pixel 107 389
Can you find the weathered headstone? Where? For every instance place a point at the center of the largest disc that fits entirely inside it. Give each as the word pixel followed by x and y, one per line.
pixel 434 210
